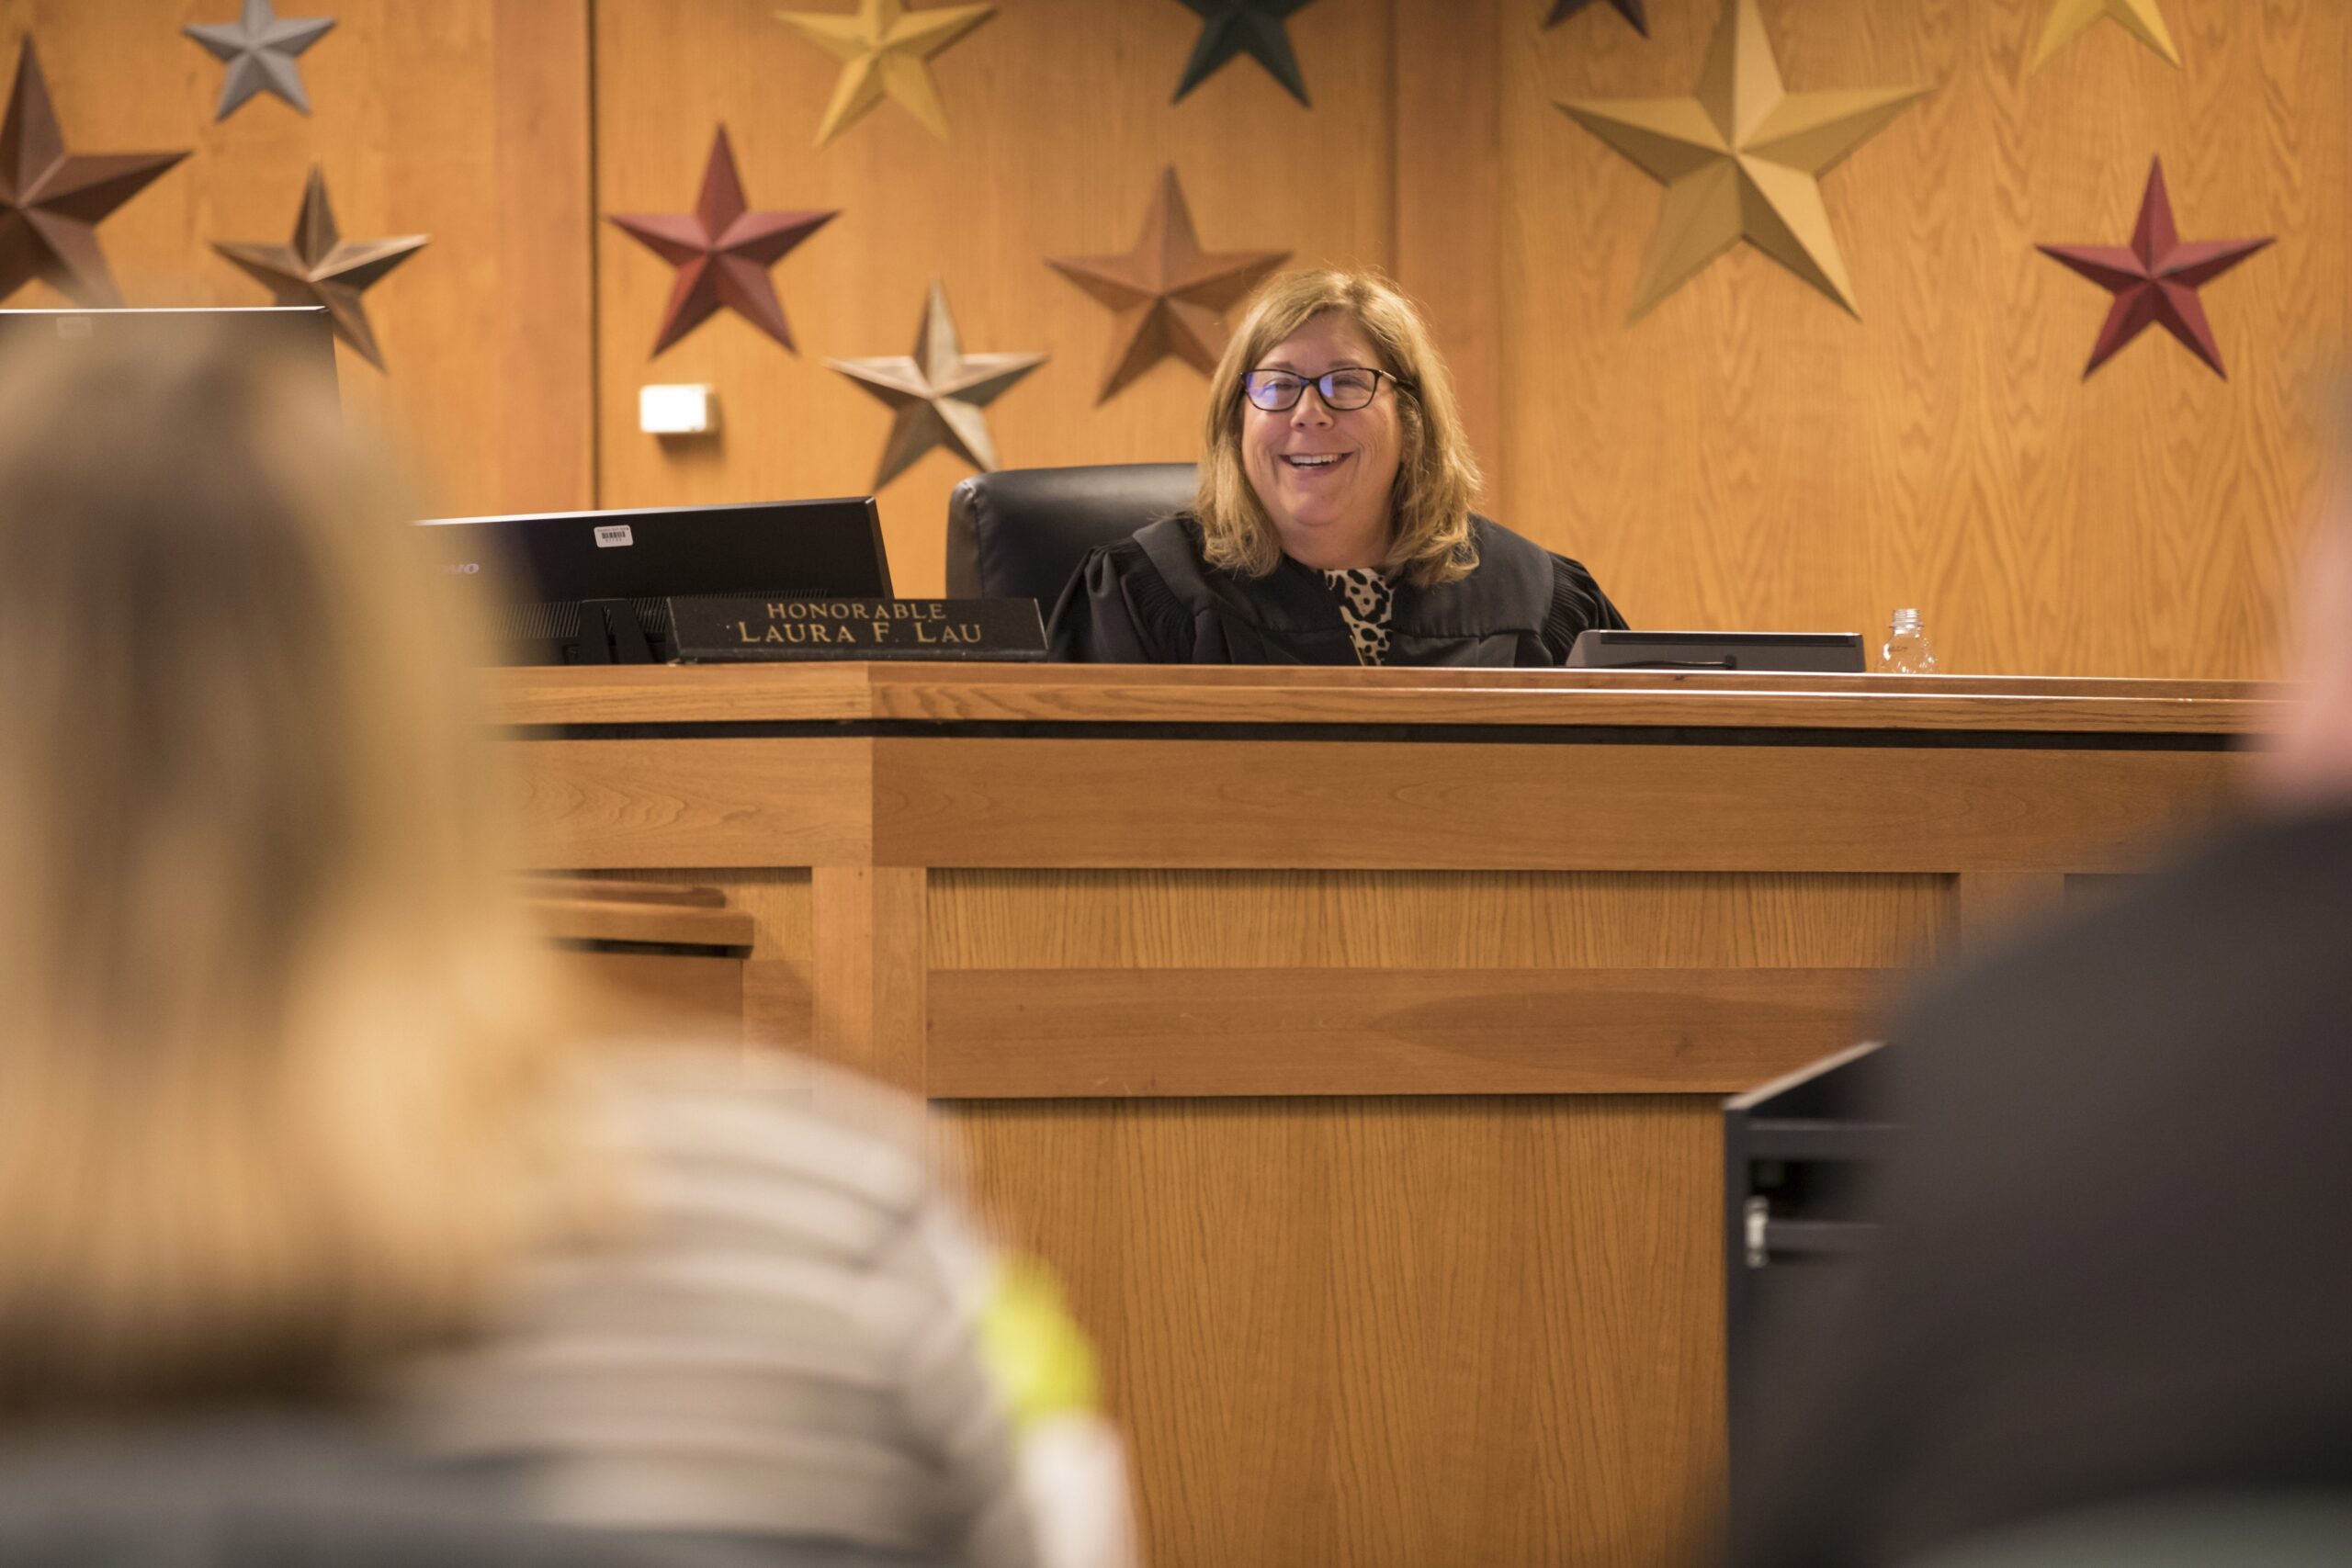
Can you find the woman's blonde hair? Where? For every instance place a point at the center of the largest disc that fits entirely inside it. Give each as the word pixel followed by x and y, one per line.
pixel 1437 474
pixel 271 1025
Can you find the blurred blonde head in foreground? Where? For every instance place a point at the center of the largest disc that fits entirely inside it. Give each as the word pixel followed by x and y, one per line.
pixel 2310 762
pixel 269 1020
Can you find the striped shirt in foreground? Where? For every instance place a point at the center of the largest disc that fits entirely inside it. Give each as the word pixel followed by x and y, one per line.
pixel 782 1344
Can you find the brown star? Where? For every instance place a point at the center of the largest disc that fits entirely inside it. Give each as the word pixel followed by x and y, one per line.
pixel 722 252
pixel 1170 295
pixel 935 395
pixel 1629 9
pixel 51 200
pixel 322 267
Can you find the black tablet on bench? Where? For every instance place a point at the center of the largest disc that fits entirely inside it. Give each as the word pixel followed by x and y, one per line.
pixel 1824 653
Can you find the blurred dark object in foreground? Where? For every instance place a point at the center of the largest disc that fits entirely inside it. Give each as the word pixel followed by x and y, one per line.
pixel 1801 1156
pixel 2313 1531
pixel 2114 1269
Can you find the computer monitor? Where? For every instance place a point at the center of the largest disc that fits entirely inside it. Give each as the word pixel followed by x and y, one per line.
pixel 1832 653
pixel 300 335
pixel 588 587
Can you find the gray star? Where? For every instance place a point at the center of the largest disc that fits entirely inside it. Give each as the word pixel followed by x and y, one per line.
pixel 936 393
pixel 260 49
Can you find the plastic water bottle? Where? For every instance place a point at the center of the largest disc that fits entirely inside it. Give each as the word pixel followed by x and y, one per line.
pixel 1908 650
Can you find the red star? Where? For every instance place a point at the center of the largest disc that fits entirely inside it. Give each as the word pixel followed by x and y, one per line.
pixel 2155 278
pixel 722 252
pixel 51 201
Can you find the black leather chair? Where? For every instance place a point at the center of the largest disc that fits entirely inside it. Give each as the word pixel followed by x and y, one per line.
pixel 1020 532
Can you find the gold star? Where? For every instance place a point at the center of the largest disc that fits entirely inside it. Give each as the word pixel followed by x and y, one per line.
pixel 2070 19
pixel 935 394
pixel 884 49
pixel 1742 158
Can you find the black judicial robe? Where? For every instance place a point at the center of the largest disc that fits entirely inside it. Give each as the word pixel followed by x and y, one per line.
pixel 1151 599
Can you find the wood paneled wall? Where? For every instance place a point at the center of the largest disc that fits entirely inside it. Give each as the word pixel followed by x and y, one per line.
pixel 1748 455
pixel 463 119
pixel 1061 123
pixel 1744 455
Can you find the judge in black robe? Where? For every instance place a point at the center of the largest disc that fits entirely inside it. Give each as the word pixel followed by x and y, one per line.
pixel 1152 598
pixel 1332 522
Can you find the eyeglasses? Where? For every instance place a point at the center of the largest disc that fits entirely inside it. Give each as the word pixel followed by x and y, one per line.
pixel 1348 388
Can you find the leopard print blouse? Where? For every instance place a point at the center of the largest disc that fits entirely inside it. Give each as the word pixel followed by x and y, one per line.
pixel 1366 603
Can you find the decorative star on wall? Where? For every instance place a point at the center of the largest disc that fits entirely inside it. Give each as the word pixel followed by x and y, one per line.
pixel 722 252
pixel 51 200
pixel 1259 29
pixel 884 50
pixel 2069 20
pixel 259 47
pixel 936 394
pixel 1629 9
pixel 1742 158
pixel 2155 278
pixel 322 267
pixel 1170 295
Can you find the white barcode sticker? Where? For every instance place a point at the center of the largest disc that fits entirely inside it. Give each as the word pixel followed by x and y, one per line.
pixel 614 536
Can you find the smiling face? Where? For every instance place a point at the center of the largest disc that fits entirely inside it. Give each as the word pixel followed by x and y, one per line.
pixel 1327 480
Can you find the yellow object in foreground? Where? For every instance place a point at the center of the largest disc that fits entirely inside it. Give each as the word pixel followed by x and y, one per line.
pixel 1041 1360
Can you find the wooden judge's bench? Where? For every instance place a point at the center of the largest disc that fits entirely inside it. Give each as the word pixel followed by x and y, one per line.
pixel 1352 1041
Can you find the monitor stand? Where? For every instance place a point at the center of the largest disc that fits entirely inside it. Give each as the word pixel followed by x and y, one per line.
pixel 609 634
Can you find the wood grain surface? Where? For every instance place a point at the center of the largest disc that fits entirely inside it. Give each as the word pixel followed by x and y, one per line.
pixel 1747 455
pixel 866 970
pixel 804 694
pixel 637 920
pixel 1452 190
pixel 606 805
pixel 623 889
pixel 1441 805
pixel 776 901
pixel 657 997
pixel 1401 1332
pixel 1337 1326
pixel 1988 904
pixel 643 959
pixel 464 119
pixel 1465 920
pixel 1061 118
pixel 1047 1034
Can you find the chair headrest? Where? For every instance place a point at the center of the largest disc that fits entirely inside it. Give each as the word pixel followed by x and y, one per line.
pixel 1020 532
